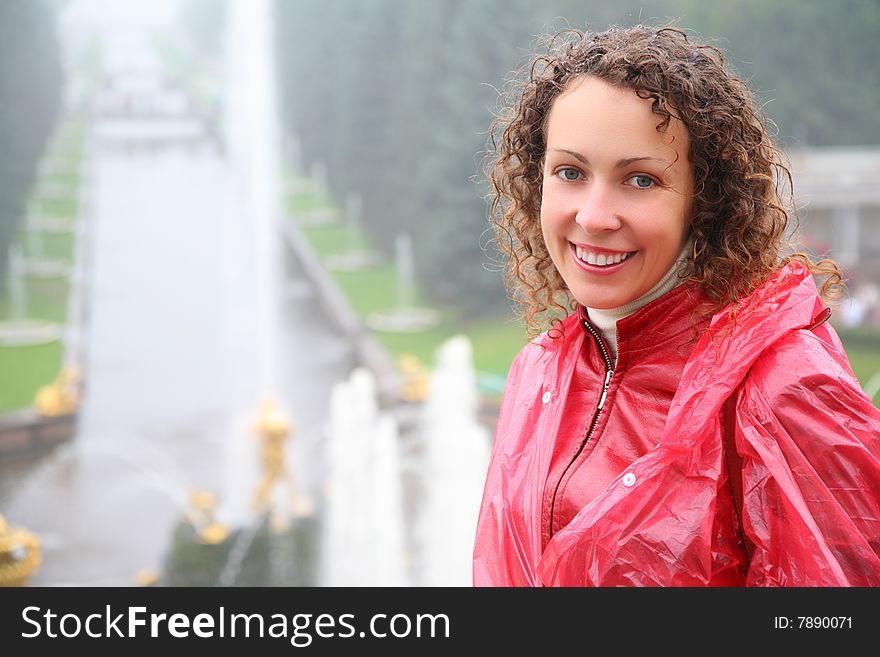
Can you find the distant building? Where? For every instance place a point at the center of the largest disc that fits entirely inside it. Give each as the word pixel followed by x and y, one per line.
pixel 838 199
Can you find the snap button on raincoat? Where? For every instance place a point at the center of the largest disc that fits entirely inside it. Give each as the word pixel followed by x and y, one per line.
pixel 807 435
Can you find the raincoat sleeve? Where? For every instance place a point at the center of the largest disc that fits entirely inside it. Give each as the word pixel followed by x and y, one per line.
pixel 809 439
pixel 491 565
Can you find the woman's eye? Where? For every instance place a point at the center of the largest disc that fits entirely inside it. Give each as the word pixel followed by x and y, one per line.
pixel 568 174
pixel 642 182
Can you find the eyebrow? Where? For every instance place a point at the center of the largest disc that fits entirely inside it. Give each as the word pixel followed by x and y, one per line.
pixel 620 163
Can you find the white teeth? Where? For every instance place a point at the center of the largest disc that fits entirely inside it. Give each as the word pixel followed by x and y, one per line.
pixel 600 260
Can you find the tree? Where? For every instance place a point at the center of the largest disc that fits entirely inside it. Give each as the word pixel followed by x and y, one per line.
pixel 30 98
pixel 487 39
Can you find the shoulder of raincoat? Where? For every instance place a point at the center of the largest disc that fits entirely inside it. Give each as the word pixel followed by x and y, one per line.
pixel 807 436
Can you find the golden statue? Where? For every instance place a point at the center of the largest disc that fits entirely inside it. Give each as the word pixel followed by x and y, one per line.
pixel 61 397
pixel 20 554
pixel 146 577
pixel 415 383
pixel 273 428
pixel 201 517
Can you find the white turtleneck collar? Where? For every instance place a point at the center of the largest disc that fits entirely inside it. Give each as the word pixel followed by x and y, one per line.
pixel 606 319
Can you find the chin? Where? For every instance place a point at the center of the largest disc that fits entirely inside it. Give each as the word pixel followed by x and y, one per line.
pixel 601 302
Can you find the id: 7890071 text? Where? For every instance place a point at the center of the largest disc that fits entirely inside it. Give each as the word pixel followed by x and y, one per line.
pixel 812 622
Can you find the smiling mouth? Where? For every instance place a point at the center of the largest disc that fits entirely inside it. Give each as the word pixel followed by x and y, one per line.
pixel 600 259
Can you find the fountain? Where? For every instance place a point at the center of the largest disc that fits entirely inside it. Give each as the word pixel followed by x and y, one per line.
pixel 101 519
pixel 354 211
pixel 203 550
pixel 277 492
pixel 364 535
pixel 356 258
pixel 19 330
pixel 61 396
pixel 278 526
pixel 38 265
pixel 147 463
pixel 320 213
pixel 55 190
pixel 35 244
pixel 406 317
pixel 20 554
pixel 79 519
pixel 452 469
pixel 17 291
pixel 293 155
pixel 59 164
pixel 406 272
pixel 52 167
pixel 319 179
pixel 48 224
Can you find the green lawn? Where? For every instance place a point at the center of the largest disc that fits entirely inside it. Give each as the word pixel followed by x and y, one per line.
pixel 24 370
pixel 66 178
pixel 46 298
pixel 57 246
pixel 305 202
pixel 57 207
pixel 865 363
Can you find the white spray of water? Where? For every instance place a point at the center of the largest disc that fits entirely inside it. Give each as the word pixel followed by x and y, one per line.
pixel 253 129
pixel 17 290
pixel 363 531
pixel 456 456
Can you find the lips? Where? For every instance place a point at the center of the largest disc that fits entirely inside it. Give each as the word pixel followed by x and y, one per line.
pixel 599 258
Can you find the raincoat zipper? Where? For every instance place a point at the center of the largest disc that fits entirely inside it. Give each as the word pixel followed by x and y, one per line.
pixel 609 372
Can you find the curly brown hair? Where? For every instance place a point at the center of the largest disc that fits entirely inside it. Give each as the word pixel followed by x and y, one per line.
pixel 742 189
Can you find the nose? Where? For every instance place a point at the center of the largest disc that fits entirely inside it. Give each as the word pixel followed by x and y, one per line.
pixel 597 210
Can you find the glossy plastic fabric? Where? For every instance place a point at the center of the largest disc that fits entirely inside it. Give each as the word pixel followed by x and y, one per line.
pixel 808 436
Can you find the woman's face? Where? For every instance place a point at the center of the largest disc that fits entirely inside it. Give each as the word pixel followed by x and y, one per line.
pixel 616 196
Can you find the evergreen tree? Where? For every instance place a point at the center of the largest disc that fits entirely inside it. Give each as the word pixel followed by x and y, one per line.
pixel 30 97
pixel 417 110
pixel 487 40
pixel 810 62
pixel 309 49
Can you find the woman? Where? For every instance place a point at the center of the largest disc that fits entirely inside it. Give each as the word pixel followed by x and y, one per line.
pixel 694 421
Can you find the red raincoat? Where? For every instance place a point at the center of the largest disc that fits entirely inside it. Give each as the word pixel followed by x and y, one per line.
pixel 808 438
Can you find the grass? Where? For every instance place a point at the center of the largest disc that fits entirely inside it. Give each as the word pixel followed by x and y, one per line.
pixel 67 178
pixel 305 202
pixel 24 371
pixel 865 362
pixel 67 208
pixel 46 299
pixel 331 238
pixel 56 246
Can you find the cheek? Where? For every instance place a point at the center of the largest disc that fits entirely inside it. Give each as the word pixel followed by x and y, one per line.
pixel 669 224
pixel 546 234
pixel 552 214
pixel 545 215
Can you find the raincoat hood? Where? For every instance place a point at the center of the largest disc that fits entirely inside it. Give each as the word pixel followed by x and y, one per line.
pixel 808 437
